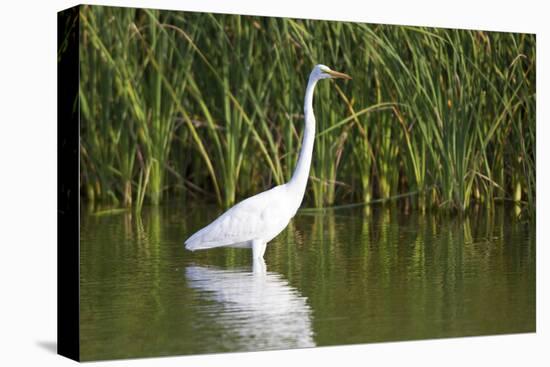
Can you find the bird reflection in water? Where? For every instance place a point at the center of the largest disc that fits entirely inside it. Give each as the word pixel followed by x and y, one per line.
pixel 259 309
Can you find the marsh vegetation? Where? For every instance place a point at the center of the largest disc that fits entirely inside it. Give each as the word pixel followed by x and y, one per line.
pixel 190 106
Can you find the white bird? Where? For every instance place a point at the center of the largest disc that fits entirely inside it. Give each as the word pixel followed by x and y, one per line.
pixel 257 220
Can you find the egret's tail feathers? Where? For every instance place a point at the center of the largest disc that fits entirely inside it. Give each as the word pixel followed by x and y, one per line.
pixel 189 246
pixel 193 244
pixel 197 244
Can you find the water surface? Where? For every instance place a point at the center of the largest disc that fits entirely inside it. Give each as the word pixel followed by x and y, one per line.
pixel 333 277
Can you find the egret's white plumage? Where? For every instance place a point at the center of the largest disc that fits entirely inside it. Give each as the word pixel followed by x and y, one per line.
pixel 257 220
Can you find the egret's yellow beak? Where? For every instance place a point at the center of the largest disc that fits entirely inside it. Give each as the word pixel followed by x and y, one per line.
pixel 337 75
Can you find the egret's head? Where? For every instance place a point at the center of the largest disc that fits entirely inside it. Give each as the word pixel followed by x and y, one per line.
pixel 324 72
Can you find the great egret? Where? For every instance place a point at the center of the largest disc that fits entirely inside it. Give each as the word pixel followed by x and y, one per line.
pixel 257 220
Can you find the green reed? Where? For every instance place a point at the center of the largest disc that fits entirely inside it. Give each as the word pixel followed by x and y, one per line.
pixel 183 106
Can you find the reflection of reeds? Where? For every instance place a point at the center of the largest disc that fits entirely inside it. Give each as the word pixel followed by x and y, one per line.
pixel 210 106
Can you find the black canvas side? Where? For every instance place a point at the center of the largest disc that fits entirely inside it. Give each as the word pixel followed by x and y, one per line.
pixel 68 240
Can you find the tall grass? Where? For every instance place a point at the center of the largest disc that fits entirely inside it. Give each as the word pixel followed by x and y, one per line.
pixel 183 106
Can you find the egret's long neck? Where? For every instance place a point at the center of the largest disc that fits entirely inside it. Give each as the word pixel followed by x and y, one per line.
pixel 300 176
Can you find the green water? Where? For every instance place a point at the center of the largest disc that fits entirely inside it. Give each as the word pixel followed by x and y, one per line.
pixel 335 277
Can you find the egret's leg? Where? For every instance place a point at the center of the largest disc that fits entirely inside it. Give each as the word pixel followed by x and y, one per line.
pixel 257 252
pixel 264 246
pixel 258 266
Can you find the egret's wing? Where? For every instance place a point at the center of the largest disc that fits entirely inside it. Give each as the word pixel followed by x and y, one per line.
pixel 248 220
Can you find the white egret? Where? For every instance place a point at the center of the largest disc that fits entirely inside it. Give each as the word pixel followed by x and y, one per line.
pixel 257 220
